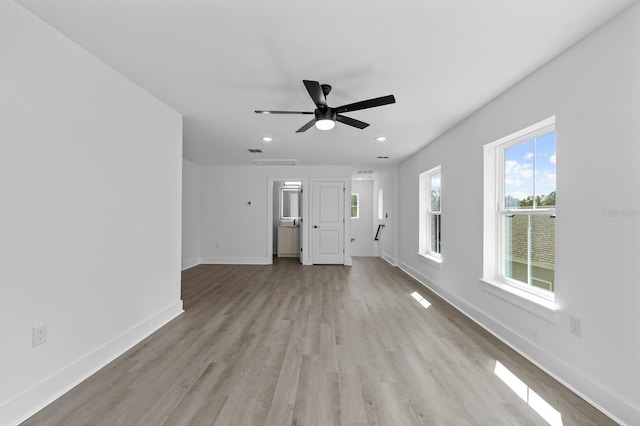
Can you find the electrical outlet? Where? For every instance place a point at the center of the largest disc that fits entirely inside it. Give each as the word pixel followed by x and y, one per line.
pixel 39 335
pixel 575 326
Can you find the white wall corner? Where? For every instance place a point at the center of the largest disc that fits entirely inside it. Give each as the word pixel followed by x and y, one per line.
pixel 390 259
pixel 190 263
pixel 24 405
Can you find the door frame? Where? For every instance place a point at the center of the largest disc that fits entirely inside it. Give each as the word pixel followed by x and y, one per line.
pixel 304 228
pixel 346 258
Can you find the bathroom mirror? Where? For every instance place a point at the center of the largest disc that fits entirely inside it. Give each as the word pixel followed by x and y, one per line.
pixel 290 203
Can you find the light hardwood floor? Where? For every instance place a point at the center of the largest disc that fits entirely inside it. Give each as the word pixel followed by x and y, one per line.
pixel 287 344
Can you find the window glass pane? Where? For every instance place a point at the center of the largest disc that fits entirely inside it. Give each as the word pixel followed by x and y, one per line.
pixel 354 205
pixel 515 247
pixel 543 251
pixel 436 223
pixel 435 192
pixel 518 175
pixel 545 175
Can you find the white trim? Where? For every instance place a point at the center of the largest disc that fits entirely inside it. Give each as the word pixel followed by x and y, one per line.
pixel 390 259
pixel 425 216
pixel 191 263
pixel 435 262
pixel 540 306
pixel 23 406
pixel 236 261
pixel 578 381
pixel 534 130
pixel 493 209
pixel 304 227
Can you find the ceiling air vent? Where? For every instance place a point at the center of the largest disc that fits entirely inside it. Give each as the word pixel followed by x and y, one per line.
pixel 364 172
pixel 276 162
pixel 255 150
pixel 383 157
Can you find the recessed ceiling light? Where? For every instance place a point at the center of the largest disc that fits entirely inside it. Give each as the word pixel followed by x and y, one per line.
pixel 381 138
pixel 266 139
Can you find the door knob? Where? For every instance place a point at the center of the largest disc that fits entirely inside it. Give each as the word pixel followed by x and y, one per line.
pixel 316 226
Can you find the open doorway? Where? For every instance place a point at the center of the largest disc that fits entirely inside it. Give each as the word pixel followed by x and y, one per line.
pixel 286 207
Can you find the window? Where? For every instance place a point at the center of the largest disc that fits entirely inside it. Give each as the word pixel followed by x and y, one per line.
pixel 430 223
pixel 355 206
pixel 380 205
pixel 524 230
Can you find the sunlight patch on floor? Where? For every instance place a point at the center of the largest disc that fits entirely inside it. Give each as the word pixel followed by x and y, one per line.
pixel 421 300
pixel 535 401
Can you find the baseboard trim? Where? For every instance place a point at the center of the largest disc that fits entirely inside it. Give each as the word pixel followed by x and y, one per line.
pixel 390 259
pixel 235 261
pixel 190 263
pixel 28 403
pixel 605 399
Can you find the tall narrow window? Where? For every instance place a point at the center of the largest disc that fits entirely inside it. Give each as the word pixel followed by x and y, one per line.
pixel 435 218
pixel 520 210
pixel 527 210
pixel 355 206
pixel 430 223
pixel 380 205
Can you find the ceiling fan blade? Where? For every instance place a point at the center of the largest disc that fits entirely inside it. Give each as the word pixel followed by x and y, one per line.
pixel 351 121
pixel 316 93
pixel 369 103
pixel 282 112
pixel 306 126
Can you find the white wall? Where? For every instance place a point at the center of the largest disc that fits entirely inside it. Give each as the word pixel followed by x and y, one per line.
pixel 234 231
pixel 190 214
pixel 594 90
pixel 362 230
pixel 90 177
pixel 387 244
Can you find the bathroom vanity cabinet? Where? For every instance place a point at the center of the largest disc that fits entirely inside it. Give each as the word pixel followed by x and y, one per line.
pixel 288 241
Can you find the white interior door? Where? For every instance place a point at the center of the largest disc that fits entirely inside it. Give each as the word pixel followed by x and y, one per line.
pixel 327 222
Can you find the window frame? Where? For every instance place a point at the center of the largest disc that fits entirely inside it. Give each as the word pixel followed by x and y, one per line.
pixel 426 215
pixel 537 301
pixel 357 206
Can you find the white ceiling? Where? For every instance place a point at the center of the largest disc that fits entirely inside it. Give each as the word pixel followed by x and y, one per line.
pixel 216 62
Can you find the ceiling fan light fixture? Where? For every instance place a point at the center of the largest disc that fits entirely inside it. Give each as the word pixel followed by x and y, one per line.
pixel 325 124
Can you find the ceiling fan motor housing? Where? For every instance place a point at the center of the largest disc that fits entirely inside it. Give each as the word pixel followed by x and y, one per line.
pixel 325 114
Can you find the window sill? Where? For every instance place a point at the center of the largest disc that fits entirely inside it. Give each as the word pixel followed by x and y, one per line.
pixel 544 308
pixel 433 261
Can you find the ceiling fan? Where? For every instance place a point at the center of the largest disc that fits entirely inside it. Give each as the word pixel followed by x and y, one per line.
pixel 325 117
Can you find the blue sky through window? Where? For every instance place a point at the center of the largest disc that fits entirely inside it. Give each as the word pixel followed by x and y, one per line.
pixel 522 170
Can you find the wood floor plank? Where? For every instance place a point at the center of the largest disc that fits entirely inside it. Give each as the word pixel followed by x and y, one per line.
pixel 286 344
